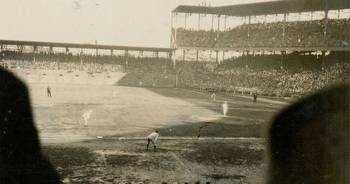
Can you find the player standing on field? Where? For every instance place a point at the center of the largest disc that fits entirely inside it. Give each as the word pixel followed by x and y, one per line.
pixel 48 91
pixel 225 108
pixel 86 117
pixel 213 96
pixel 153 138
pixel 255 97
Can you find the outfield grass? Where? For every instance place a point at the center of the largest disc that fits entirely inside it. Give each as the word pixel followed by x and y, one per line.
pixel 80 157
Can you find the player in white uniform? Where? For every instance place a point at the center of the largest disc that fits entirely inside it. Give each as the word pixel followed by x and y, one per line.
pixel 225 108
pixel 213 96
pixel 86 117
pixel 153 138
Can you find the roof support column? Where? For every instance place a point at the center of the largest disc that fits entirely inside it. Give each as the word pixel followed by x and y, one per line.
pixel 212 22
pixel 34 51
pixel 172 32
pixel 81 56
pixel 170 55
pixel 183 54
pixel 248 60
pixel 185 20
pixel 4 47
pixel 248 32
pixel 177 73
pixel 141 53
pixel 126 54
pixel 311 15
pixel 20 48
pixel 173 56
pixel 223 56
pixel 96 48
pixel 218 28
pixel 112 52
pixel 50 50
pixel 282 59
pixel 217 57
pixel 199 22
pixel 34 57
pixel 197 55
pixel 225 23
pixel 172 20
pixel 284 30
pixel 323 60
pixel 35 48
pixel 325 22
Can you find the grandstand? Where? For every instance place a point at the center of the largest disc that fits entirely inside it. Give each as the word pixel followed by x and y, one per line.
pixel 87 63
pixel 263 50
pixel 256 45
pixel 246 28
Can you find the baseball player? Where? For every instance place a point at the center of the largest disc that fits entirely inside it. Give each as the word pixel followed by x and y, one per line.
pixel 225 108
pixel 86 117
pixel 153 138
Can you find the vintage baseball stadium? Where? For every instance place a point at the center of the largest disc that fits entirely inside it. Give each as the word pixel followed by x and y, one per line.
pixel 94 105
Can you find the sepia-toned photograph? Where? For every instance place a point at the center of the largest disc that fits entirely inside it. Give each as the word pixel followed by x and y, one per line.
pixel 175 92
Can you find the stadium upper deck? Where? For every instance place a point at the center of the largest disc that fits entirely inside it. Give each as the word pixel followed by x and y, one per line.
pixel 81 49
pixel 267 8
pixel 325 34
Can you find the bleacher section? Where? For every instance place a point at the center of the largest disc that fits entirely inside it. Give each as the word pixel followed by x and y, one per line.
pixel 301 73
pixel 297 34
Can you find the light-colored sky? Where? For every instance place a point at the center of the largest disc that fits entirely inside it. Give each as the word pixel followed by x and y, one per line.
pixel 115 22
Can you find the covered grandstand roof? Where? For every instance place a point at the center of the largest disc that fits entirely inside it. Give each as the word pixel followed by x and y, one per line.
pixel 267 8
pixel 83 46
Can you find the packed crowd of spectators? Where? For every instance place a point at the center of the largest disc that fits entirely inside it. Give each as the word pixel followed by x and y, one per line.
pixel 16 60
pixel 196 38
pixel 302 73
pixel 140 71
pixel 271 82
pixel 297 34
pixel 67 66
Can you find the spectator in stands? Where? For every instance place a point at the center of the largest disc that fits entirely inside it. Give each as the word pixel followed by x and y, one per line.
pixel 297 34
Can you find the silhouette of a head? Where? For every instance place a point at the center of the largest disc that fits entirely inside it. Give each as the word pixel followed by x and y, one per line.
pixel 310 141
pixel 21 160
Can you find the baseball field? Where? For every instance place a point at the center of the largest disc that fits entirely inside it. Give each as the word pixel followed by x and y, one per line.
pixel 197 143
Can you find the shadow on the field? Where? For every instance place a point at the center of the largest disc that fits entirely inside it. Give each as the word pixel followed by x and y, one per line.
pixel 212 129
pixel 224 154
pixel 67 158
pixel 206 129
pixel 137 79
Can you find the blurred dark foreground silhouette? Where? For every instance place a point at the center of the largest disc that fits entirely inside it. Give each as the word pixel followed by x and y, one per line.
pixel 21 160
pixel 309 141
